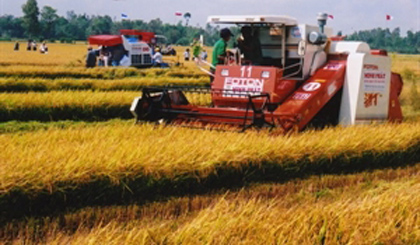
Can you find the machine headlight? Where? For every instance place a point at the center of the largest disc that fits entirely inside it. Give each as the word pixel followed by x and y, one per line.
pixel 225 72
pixel 265 74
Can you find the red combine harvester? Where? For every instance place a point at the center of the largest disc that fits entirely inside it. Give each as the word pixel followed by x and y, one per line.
pixel 137 45
pixel 306 78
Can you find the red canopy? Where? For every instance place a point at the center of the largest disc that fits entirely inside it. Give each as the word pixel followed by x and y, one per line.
pixel 105 40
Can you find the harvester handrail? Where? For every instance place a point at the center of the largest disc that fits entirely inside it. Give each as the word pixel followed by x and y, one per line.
pixel 199 61
pixel 290 76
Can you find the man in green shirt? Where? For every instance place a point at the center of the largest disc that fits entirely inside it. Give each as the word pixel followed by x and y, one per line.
pixel 196 47
pixel 219 49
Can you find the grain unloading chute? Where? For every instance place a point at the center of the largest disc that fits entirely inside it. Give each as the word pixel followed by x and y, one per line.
pixel 304 78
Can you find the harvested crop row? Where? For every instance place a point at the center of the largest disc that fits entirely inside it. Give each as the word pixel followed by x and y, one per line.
pixel 297 199
pixel 60 72
pixel 97 105
pixel 145 161
pixel 85 105
pixel 73 105
pixel 384 214
pixel 99 72
pixel 19 126
pixel 133 84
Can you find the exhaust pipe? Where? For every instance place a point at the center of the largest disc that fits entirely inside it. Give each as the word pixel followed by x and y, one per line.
pixel 322 21
pixel 319 38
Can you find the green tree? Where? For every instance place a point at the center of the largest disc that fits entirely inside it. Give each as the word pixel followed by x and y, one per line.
pixel 60 28
pixel 48 20
pixel 11 27
pixel 100 25
pixel 77 26
pixel 30 18
pixel 155 26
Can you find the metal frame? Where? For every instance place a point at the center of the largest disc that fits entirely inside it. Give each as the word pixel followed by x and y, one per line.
pixel 159 103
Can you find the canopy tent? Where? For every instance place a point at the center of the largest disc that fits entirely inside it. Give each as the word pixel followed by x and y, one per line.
pixel 105 40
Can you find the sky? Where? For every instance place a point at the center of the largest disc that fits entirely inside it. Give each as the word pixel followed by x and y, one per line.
pixel 349 15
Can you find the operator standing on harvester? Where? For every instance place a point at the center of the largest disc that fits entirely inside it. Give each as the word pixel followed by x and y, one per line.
pixel 219 50
pixel 250 46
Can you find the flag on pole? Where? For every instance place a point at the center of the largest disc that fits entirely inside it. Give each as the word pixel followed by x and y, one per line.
pixel 178 13
pixel 331 16
pixel 124 16
pixel 389 17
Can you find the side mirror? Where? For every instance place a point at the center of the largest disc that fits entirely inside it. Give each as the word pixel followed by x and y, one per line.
pixel 301 47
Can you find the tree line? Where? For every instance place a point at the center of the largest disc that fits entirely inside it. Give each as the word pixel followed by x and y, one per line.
pixel 392 41
pixel 45 24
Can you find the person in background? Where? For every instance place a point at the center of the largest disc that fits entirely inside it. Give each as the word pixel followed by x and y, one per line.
pixel 204 55
pixel 29 46
pixel 157 58
pixel 34 45
pixel 196 48
pixel 250 46
pixel 187 54
pixel 219 50
pixel 104 56
pixel 117 55
pixel 43 49
pixel 16 48
pixel 91 58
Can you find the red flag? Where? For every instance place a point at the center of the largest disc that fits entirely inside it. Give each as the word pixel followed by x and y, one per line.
pixel 331 16
pixel 177 13
pixel 389 17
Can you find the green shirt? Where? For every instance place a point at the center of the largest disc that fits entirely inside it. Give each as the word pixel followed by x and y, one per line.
pixel 219 49
pixel 196 49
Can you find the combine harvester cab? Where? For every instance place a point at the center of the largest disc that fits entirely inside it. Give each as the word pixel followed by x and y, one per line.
pixel 306 77
pixel 136 45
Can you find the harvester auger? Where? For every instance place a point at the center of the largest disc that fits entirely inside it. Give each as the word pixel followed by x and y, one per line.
pixel 306 77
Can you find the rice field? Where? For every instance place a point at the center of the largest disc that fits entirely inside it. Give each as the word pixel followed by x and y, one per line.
pixel 366 208
pixel 74 168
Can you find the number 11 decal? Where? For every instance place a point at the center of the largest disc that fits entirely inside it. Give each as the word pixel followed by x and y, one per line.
pixel 249 71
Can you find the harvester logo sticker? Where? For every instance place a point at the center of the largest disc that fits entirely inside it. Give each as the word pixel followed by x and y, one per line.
pixel 370 67
pixel 301 96
pixel 332 88
pixel 312 86
pixel 371 99
pixel 296 32
pixel 240 85
pixel 374 81
pixel 333 66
